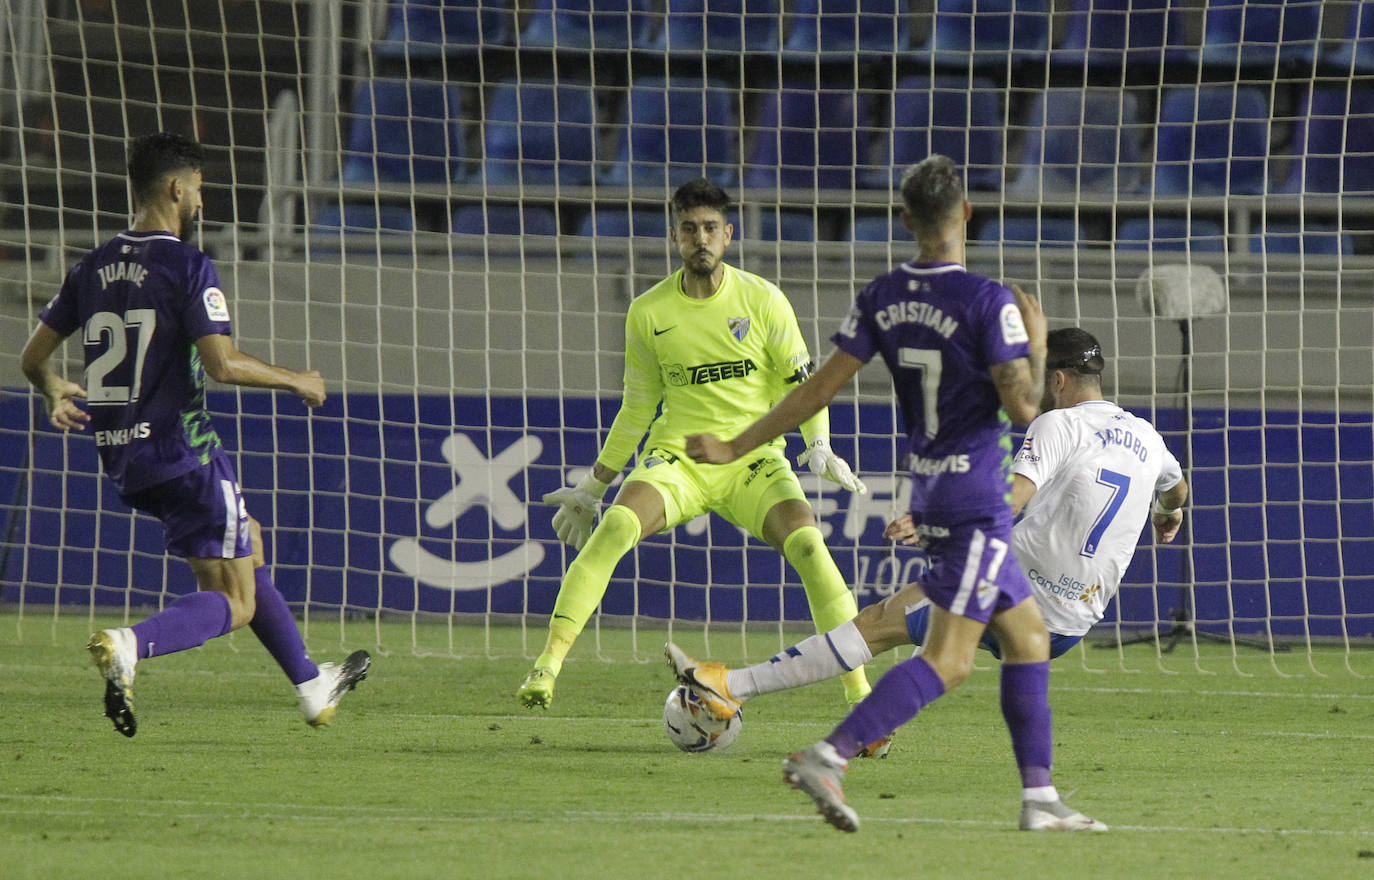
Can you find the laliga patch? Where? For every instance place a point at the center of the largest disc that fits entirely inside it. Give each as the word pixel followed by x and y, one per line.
pixel 1013 331
pixel 215 306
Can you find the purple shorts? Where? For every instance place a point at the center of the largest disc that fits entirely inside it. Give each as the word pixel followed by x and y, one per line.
pixel 202 512
pixel 972 571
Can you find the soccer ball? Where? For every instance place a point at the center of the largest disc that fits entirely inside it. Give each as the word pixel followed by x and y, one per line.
pixel 692 727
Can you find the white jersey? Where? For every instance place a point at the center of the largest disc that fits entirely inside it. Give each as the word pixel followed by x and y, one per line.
pixel 1096 469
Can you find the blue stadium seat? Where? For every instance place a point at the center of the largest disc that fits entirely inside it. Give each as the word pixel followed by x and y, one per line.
pixel 493 219
pixel 1019 28
pixel 726 27
pixel 431 28
pixel 1355 53
pixel 954 116
pixel 846 27
pixel 1212 140
pixel 622 223
pixel 1030 232
pixel 783 225
pixel 1108 33
pixel 881 229
pixel 364 217
pixel 676 130
pixel 404 131
pixel 540 133
pixel 1081 140
pixel 806 137
pixel 1260 33
pixel 585 24
pixel 1332 149
pixel 1170 234
pixel 1291 238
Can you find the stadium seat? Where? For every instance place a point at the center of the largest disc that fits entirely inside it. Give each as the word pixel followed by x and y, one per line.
pixel 1212 140
pixel 955 116
pixel 843 28
pixel 495 219
pixel 1290 238
pixel 361 222
pixel 1081 140
pixel 805 138
pixel 585 24
pixel 622 223
pixel 1355 53
pixel 1328 154
pixel 1030 232
pixel 782 225
pixel 540 133
pixel 881 228
pixel 726 27
pixel 675 130
pixel 364 217
pixel 1170 234
pixel 404 131
pixel 1260 33
pixel 986 32
pixel 1108 33
pixel 431 28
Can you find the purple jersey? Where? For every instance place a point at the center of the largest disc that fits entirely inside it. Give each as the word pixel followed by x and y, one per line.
pixel 940 328
pixel 141 300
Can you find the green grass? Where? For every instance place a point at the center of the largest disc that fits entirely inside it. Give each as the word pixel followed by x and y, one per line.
pixel 431 770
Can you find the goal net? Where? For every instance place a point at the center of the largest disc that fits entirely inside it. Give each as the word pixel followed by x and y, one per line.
pixel 446 206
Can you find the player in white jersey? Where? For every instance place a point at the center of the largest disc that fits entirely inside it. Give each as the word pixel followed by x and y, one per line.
pixel 1085 477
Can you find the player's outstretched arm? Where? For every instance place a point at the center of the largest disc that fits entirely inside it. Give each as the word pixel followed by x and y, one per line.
pixel 59 395
pixel 802 403
pixel 225 363
pixel 1167 515
pixel 1021 382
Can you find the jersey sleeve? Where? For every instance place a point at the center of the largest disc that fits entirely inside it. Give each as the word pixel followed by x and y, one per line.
pixel 791 360
pixel 858 335
pixel 207 311
pixel 1003 334
pixel 1047 444
pixel 642 394
pixel 60 314
pixel 1170 473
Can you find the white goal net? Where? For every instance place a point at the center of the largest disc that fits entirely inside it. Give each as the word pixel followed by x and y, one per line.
pixel 447 206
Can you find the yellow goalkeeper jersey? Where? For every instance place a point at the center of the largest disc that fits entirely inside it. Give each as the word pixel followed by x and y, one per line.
pixel 715 364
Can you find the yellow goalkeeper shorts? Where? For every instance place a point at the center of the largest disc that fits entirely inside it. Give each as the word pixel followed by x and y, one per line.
pixel 742 492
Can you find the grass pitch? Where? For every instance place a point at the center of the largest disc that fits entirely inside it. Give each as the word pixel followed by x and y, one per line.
pixel 433 770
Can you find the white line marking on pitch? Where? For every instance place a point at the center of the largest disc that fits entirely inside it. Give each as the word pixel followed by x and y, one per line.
pixel 28 805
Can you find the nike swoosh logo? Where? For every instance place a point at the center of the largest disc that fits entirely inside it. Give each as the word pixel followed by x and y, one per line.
pixel 664 330
pixel 772 472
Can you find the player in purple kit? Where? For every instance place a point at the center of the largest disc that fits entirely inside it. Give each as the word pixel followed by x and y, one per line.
pixel 153 321
pixel 967 357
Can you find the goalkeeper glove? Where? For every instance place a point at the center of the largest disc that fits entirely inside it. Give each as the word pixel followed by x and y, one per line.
pixel 824 462
pixel 577 508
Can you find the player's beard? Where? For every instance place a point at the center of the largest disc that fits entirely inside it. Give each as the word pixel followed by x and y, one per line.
pixel 694 265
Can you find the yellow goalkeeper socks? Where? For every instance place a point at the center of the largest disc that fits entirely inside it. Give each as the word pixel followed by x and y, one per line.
pixel 828 595
pixel 586 580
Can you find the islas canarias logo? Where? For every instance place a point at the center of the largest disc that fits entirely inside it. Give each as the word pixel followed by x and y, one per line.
pixel 478 481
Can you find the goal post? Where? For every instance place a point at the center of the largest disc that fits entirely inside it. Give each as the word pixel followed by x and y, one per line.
pixel 448 218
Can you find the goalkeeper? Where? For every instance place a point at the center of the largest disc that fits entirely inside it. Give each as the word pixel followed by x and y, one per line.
pixel 716 347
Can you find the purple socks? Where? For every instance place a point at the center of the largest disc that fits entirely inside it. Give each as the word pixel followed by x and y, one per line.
pixel 1026 708
pixel 274 626
pixel 189 622
pixel 895 700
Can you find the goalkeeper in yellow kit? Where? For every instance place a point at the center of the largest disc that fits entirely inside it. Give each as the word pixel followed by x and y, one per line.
pixel 717 347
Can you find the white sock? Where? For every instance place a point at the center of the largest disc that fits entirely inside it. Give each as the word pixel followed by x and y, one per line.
pixel 1044 794
pixel 822 656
